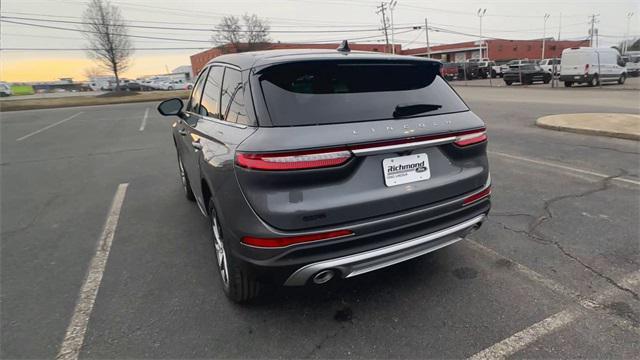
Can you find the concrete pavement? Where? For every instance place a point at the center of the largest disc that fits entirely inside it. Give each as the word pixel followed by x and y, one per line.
pixel 624 126
pixel 563 229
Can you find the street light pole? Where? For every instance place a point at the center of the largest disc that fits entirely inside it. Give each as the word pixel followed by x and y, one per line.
pixel 544 33
pixel 426 30
pixel 625 45
pixel 392 6
pixel 481 13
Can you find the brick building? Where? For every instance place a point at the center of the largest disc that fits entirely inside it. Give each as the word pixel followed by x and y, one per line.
pixel 497 49
pixel 199 60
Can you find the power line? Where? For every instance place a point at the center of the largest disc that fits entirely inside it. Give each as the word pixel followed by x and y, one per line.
pixel 191 29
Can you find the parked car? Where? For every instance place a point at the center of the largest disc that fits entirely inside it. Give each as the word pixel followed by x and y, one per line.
pixel 525 74
pixel 187 86
pixel 5 89
pixel 449 71
pixel 632 63
pixel 548 65
pixel 171 85
pixel 486 69
pixel 468 70
pixel 591 66
pixel 310 168
pixel 505 67
pixel 131 86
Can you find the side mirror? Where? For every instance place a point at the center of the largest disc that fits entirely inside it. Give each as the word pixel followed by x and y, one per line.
pixel 171 107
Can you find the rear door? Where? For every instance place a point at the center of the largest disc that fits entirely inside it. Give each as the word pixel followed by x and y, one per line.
pixel 342 145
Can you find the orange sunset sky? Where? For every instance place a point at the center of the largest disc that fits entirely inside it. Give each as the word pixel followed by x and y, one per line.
pixel 46 67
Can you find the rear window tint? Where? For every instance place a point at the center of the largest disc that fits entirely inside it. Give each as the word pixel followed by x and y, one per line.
pixel 331 92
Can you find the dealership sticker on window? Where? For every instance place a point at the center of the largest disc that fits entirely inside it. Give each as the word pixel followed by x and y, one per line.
pixel 406 169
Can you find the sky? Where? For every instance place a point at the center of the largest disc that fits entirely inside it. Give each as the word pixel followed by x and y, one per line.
pixel 312 21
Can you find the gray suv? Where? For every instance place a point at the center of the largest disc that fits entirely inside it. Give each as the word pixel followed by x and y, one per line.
pixel 318 164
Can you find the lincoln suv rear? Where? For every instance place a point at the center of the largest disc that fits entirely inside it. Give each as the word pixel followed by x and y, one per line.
pixel 321 164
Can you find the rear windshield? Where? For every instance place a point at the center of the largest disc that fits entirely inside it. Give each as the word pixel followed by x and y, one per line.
pixel 332 92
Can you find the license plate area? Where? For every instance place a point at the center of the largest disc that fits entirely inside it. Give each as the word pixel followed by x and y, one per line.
pixel 406 169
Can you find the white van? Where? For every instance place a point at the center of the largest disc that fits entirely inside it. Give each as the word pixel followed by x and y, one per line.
pixel 591 66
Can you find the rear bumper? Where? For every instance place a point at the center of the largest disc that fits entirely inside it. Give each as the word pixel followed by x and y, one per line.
pixel 357 264
pixel 576 78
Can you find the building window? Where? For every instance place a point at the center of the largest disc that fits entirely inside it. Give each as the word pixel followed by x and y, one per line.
pixel 553 47
pixel 375 49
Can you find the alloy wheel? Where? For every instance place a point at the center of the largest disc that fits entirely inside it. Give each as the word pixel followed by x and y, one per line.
pixel 221 255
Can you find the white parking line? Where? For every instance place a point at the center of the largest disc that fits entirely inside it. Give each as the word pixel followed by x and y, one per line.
pixel 74 337
pixel 144 119
pixel 47 127
pixel 558 166
pixel 520 340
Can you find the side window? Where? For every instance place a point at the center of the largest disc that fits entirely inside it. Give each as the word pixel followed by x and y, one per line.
pixel 233 98
pixel 211 96
pixel 196 93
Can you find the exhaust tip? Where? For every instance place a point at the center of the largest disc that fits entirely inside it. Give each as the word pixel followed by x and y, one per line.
pixel 323 276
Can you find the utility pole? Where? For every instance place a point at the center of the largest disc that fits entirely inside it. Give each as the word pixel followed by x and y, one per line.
pixel 481 13
pixel 559 26
pixel 426 30
pixel 625 44
pixel 591 33
pixel 381 10
pixel 392 5
pixel 544 33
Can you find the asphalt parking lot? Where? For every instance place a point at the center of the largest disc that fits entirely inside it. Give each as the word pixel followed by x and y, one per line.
pixel 555 272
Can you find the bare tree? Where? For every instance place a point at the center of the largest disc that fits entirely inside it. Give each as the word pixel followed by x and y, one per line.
pixel 256 31
pixel 106 32
pixel 228 31
pixel 93 72
pixel 253 34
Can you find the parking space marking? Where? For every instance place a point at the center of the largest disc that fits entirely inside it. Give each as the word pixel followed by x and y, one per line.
pixel 558 166
pixel 520 340
pixel 74 337
pixel 144 119
pixel 48 127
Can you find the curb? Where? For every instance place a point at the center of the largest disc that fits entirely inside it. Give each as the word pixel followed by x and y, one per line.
pixel 587 131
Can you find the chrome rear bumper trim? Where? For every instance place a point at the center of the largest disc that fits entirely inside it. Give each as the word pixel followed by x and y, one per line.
pixel 357 264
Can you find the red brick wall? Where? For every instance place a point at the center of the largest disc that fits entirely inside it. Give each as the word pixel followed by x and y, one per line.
pixel 529 49
pixel 504 49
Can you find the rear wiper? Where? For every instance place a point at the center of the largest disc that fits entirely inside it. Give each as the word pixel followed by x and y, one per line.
pixel 414 109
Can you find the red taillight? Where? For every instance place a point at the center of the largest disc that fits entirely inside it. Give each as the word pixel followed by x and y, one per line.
pixel 586 68
pixel 322 158
pixel 291 240
pixel 293 160
pixel 477 196
pixel 470 139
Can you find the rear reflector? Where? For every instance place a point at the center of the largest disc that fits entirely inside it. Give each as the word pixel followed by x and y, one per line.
pixel 470 139
pixel 477 196
pixel 291 240
pixel 293 160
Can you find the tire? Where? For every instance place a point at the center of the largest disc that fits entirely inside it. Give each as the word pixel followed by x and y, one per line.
pixel 184 179
pixel 622 79
pixel 493 74
pixel 568 84
pixel 170 88
pixel 546 79
pixel 508 83
pixel 595 81
pixel 238 286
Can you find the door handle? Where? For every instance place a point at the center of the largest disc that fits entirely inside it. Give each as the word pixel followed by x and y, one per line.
pixel 182 132
pixel 196 145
